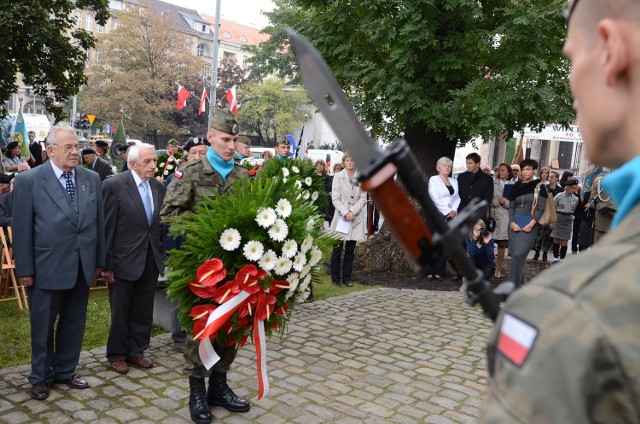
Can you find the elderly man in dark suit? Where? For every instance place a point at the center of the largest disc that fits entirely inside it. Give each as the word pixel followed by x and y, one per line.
pixel 135 256
pixel 58 227
pixel 97 164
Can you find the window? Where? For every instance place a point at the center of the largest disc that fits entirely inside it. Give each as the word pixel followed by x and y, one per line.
pixel 243 39
pixel 88 54
pixel 203 50
pixel 229 56
pixel 100 28
pixel 78 19
pixel 89 25
pixel 116 4
pixel 226 34
pixel 116 24
pixel 244 61
pixel 204 28
pixel 97 56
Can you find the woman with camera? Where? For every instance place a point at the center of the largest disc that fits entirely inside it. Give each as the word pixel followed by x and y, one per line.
pixel 443 190
pixel 480 245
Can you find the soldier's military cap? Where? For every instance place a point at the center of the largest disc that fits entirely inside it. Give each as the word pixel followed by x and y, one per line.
pixel 284 142
pixel 197 141
pixel 244 139
pixel 88 152
pixel 224 121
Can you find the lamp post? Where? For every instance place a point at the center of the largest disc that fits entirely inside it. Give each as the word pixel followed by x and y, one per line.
pixel 214 65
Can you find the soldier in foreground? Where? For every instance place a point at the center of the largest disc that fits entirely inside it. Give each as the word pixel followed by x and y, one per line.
pixel 565 348
pixel 210 176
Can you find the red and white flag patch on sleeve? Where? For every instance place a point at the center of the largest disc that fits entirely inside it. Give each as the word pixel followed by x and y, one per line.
pixel 516 339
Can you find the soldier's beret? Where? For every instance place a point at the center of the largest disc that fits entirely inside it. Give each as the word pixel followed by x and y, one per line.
pixel 88 152
pixel 224 121
pixel 244 139
pixel 102 143
pixel 197 141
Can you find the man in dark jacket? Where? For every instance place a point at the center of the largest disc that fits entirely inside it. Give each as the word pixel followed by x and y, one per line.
pixel 474 183
pixel 97 164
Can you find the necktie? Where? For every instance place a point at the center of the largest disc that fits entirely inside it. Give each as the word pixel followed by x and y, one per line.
pixel 146 201
pixel 68 176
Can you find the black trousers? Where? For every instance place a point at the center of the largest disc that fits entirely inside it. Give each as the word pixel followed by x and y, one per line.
pixel 344 271
pixel 56 356
pixel 132 313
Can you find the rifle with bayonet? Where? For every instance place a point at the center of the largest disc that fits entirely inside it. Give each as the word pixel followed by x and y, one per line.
pixel 377 170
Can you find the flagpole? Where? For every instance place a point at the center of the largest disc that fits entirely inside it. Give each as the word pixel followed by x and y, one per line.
pixel 214 65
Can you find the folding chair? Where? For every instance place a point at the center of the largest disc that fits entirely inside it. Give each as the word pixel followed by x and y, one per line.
pixel 8 273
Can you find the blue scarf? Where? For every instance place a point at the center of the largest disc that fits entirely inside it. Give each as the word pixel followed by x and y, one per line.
pixel 280 157
pixel 240 157
pixel 224 167
pixel 623 185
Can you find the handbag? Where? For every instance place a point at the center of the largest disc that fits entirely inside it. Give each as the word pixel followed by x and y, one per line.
pixel 549 215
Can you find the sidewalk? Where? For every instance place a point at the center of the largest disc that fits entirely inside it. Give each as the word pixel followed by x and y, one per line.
pixel 378 356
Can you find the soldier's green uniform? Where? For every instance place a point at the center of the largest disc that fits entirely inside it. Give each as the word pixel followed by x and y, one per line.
pixel 566 348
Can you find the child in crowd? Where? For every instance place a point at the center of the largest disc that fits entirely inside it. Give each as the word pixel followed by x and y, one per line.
pixel 480 245
pixel 566 203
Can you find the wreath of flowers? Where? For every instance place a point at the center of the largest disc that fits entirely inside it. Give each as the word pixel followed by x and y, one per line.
pixel 252 165
pixel 249 255
pixel 167 164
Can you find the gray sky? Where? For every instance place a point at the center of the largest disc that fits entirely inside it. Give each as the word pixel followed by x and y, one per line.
pixel 246 12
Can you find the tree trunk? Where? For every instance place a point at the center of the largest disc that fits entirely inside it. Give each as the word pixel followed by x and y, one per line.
pixel 382 252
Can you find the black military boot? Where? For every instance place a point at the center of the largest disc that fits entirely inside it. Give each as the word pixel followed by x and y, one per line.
pixel 198 407
pixel 544 257
pixel 220 394
pixel 536 256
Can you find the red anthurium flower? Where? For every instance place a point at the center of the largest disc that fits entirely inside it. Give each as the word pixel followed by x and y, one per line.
pixel 265 307
pixel 252 173
pixel 211 272
pixel 281 310
pixel 249 276
pixel 249 306
pixel 226 292
pixel 202 311
pixel 200 290
pixel 243 341
pixel 243 322
pixel 198 328
pixel 256 167
pixel 278 285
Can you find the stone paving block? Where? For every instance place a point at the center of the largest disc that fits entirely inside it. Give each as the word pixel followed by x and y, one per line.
pixel 15 417
pixel 122 414
pixel 86 415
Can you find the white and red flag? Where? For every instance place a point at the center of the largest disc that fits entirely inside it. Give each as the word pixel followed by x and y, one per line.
pixel 203 103
pixel 516 339
pixel 183 94
pixel 232 99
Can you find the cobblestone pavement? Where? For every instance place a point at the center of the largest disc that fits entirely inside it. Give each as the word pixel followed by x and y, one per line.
pixel 377 356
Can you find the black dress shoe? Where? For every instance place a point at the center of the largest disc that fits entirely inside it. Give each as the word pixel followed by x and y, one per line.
pixel 347 283
pixel 336 283
pixel 40 391
pixel 74 382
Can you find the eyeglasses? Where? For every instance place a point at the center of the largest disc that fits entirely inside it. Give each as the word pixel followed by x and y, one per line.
pixel 68 148
pixel 569 8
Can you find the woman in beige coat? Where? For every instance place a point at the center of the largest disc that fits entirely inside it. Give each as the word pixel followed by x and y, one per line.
pixel 348 220
pixel 500 212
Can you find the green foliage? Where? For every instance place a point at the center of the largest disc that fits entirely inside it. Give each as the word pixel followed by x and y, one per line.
pixel 510 150
pixel 238 209
pixel 442 71
pixel 40 41
pixel 271 110
pixel 298 172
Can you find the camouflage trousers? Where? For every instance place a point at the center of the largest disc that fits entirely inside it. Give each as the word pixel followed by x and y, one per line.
pixel 193 365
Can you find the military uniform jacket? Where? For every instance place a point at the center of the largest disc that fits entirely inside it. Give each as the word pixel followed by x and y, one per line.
pixel 198 179
pixel 566 347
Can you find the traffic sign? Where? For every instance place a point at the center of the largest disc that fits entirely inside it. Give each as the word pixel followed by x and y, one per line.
pixel 91 118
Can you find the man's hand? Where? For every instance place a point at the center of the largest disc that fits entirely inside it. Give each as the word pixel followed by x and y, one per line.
pixel 26 281
pixel 108 276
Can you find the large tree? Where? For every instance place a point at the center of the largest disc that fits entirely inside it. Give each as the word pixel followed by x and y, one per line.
pixel 40 42
pixel 140 62
pixel 437 72
pixel 271 110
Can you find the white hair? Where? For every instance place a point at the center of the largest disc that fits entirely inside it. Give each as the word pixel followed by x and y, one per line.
pixel 53 132
pixel 443 161
pixel 133 152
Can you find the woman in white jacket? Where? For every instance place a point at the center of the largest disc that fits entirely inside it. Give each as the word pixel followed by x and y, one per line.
pixel 443 190
pixel 348 220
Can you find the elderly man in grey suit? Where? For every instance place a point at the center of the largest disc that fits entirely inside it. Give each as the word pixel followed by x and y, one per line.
pixel 135 256
pixel 59 246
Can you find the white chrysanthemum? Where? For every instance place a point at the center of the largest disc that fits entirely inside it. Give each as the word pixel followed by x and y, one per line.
pixel 289 248
pixel 314 196
pixel 283 208
pixel 303 295
pixel 299 261
pixel 293 280
pixel 284 179
pixel 305 195
pixel 295 169
pixel 230 239
pixel 305 271
pixel 161 165
pixel 316 256
pixel 302 287
pixel 268 260
pixel 283 266
pixel 306 244
pixel 310 224
pixel 308 181
pixel 266 217
pixel 297 184
pixel 285 172
pixel 279 230
pixel 253 250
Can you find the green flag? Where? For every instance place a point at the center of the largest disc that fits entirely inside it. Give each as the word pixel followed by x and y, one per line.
pixel 118 139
